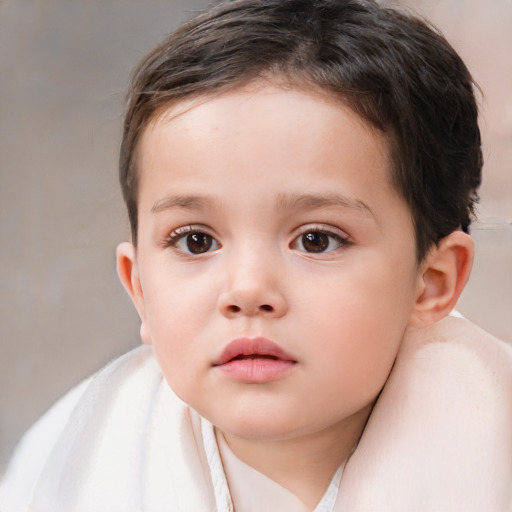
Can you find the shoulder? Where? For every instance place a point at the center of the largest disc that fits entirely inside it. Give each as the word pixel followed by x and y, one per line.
pixel 34 449
pixel 469 367
pixel 37 445
pixel 440 432
pixel 464 346
pixel 461 375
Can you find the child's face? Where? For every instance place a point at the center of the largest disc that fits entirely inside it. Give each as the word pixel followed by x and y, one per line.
pixel 268 213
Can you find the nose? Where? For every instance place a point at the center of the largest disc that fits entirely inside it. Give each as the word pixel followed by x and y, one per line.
pixel 253 290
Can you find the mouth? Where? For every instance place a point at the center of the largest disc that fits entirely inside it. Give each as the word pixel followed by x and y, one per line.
pixel 254 361
pixel 243 349
pixel 254 356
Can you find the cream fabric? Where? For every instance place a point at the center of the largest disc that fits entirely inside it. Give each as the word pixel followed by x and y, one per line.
pixel 251 491
pixel 439 438
pixel 114 452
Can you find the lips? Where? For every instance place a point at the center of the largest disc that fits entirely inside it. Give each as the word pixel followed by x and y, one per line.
pixel 252 348
pixel 254 361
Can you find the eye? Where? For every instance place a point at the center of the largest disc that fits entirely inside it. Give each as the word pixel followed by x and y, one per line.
pixel 190 240
pixel 318 241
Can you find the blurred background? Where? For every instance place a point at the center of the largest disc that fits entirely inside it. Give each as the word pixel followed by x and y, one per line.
pixel 64 68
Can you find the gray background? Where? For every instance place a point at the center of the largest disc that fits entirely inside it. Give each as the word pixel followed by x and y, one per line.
pixel 64 67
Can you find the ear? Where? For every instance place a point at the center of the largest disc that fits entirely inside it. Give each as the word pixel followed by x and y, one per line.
pixel 128 272
pixel 442 277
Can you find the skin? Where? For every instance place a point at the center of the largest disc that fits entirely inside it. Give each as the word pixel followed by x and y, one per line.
pixel 439 436
pixel 254 170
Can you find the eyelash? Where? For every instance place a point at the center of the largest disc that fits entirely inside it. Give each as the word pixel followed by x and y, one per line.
pixel 180 234
pixel 341 239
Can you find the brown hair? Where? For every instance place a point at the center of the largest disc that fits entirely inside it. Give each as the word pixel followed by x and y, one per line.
pixel 395 71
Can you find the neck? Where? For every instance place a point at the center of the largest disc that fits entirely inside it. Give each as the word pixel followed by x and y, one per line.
pixel 304 465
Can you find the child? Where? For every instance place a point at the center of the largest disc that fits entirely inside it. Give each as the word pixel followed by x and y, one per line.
pixel 300 178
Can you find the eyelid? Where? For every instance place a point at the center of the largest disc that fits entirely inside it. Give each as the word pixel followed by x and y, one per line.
pixel 177 234
pixel 190 228
pixel 324 228
pixel 341 237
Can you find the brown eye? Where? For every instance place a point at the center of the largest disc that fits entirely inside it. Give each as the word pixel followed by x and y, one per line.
pixel 315 241
pixel 198 243
pixel 318 241
pixel 191 241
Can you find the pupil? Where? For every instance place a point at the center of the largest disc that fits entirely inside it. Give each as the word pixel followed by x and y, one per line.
pixel 315 241
pixel 199 242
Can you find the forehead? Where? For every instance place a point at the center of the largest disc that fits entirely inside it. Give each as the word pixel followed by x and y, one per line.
pixel 243 156
pixel 305 123
pixel 263 136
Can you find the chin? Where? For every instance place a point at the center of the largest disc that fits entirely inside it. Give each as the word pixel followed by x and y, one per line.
pixel 258 427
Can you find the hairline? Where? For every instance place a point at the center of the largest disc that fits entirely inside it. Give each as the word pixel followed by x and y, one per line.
pixel 286 81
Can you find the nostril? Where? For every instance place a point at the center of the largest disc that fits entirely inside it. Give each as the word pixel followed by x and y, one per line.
pixel 247 309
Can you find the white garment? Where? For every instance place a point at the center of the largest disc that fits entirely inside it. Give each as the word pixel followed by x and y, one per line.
pixel 113 451
pixel 108 466
pixel 251 491
pixel 439 438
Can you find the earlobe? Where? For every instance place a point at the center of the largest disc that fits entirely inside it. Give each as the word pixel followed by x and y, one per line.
pixel 442 277
pixel 128 272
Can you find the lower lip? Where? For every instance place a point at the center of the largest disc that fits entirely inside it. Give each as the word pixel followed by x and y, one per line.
pixel 256 370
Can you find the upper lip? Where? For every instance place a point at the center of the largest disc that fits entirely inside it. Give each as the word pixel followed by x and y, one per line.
pixel 252 346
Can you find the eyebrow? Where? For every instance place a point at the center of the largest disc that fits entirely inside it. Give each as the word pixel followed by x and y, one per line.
pixel 291 201
pixel 183 202
pixel 285 201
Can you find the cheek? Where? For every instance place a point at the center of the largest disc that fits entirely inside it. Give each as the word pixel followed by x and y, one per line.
pixel 361 316
pixel 175 324
pixel 356 360
pixel 177 313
